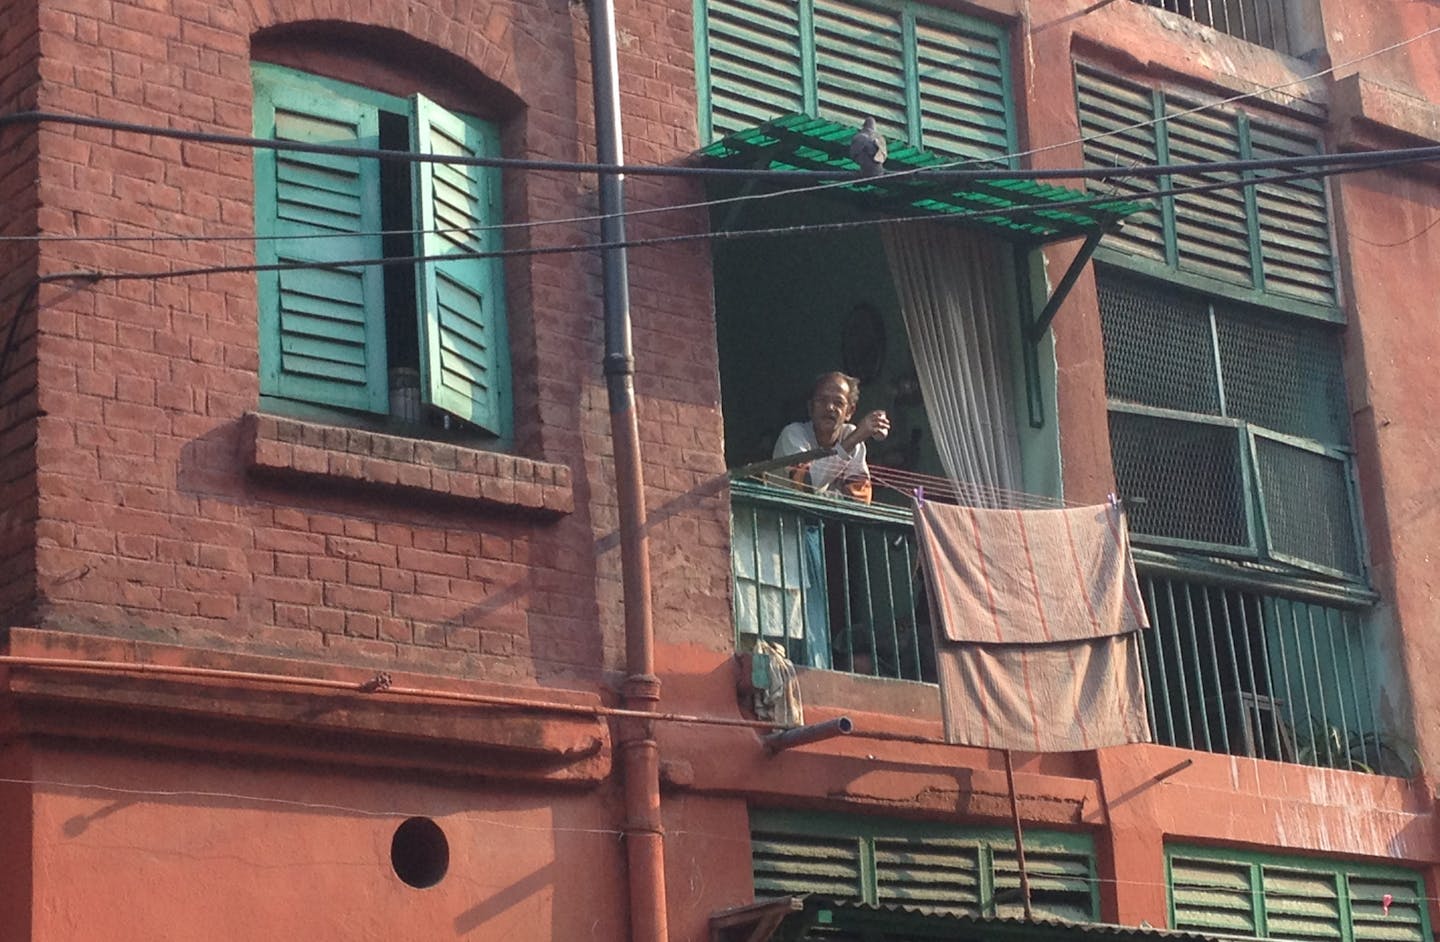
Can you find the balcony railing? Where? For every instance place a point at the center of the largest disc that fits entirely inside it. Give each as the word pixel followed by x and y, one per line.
pixel 1240 669
pixel 1262 22
pixel 1254 672
pixel 834 582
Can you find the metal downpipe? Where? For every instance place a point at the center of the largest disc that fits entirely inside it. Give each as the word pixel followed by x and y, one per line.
pixel 639 752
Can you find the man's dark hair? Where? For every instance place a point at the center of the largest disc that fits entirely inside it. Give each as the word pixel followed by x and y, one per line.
pixel 851 383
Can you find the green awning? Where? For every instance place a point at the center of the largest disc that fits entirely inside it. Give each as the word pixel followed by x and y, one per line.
pixel 1017 210
pixel 799 918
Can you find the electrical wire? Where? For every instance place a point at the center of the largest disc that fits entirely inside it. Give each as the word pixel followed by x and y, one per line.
pixel 1362 160
pixel 839 178
pixel 726 235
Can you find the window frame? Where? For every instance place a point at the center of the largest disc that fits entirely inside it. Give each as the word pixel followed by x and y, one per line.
pixel 1253 888
pixel 370 402
pixel 1261 539
pixel 798 56
pixel 1110 110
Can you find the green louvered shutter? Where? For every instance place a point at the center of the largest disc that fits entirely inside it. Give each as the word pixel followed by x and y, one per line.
pixel 463 354
pixel 786 863
pixel 963 79
pixel 1212 230
pixel 1294 221
pixel 860 67
pixel 1213 896
pixel 755 74
pixel 1373 919
pixel 935 873
pixel 1117 124
pixel 1246 894
pixel 1302 904
pixel 1062 882
pixel 322 332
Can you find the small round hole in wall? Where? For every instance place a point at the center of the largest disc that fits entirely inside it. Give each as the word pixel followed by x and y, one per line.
pixel 420 853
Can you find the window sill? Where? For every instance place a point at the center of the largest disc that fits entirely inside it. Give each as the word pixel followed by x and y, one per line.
pixel 277 446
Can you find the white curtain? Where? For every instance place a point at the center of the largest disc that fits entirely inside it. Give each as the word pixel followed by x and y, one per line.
pixel 950 288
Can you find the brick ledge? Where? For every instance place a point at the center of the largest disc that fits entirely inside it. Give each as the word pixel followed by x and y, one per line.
pixel 286 447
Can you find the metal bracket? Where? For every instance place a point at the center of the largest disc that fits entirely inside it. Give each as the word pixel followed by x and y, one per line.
pixel 1036 329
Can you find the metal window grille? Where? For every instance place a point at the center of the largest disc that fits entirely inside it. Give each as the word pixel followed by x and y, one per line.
pixel 1249 673
pixel 1262 22
pixel 837 583
pixel 1228 427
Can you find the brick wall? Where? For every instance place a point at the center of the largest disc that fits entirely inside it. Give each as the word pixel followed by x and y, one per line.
pixel 158 520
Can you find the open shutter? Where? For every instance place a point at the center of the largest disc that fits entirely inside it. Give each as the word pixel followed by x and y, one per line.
pixel 464 360
pixel 322 331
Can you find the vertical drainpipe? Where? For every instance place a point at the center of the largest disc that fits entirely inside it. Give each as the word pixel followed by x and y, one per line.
pixel 639 753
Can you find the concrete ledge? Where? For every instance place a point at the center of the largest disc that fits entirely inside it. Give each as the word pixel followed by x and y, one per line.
pixel 1361 105
pixel 277 446
pixel 254 716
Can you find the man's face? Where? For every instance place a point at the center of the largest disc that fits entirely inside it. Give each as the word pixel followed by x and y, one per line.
pixel 830 408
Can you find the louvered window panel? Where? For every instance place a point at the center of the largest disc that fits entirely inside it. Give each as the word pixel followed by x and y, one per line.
pixel 335 336
pixel 462 362
pixel 1248 894
pixel 797 863
pixel 321 331
pixel 964 92
pixel 1301 904
pixel 1271 240
pixel 937 80
pixel 938 874
pixel 860 67
pixel 1212 232
pixel 1294 221
pixel 930 867
pixel 1212 896
pixel 754 57
pixel 1061 884
pixel 1117 124
pixel 1374 919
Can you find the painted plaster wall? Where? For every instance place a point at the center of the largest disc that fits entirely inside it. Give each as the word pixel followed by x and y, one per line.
pixel 268 852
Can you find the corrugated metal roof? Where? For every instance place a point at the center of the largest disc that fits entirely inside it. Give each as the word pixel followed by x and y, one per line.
pixel 1019 210
pixel 796 917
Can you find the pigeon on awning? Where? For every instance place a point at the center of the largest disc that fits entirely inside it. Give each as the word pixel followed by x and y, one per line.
pixel 867 149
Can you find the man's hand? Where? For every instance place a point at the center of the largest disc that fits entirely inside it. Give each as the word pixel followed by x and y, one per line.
pixel 874 425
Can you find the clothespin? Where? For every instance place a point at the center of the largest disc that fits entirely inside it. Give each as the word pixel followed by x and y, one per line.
pixel 919 495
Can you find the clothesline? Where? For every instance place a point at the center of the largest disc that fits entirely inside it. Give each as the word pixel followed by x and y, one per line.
pixel 933 487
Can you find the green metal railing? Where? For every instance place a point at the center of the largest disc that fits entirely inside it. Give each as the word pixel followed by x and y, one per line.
pixel 1246 671
pixel 836 583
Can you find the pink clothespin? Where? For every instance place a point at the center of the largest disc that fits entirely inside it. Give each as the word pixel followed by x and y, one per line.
pixel 1385 902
